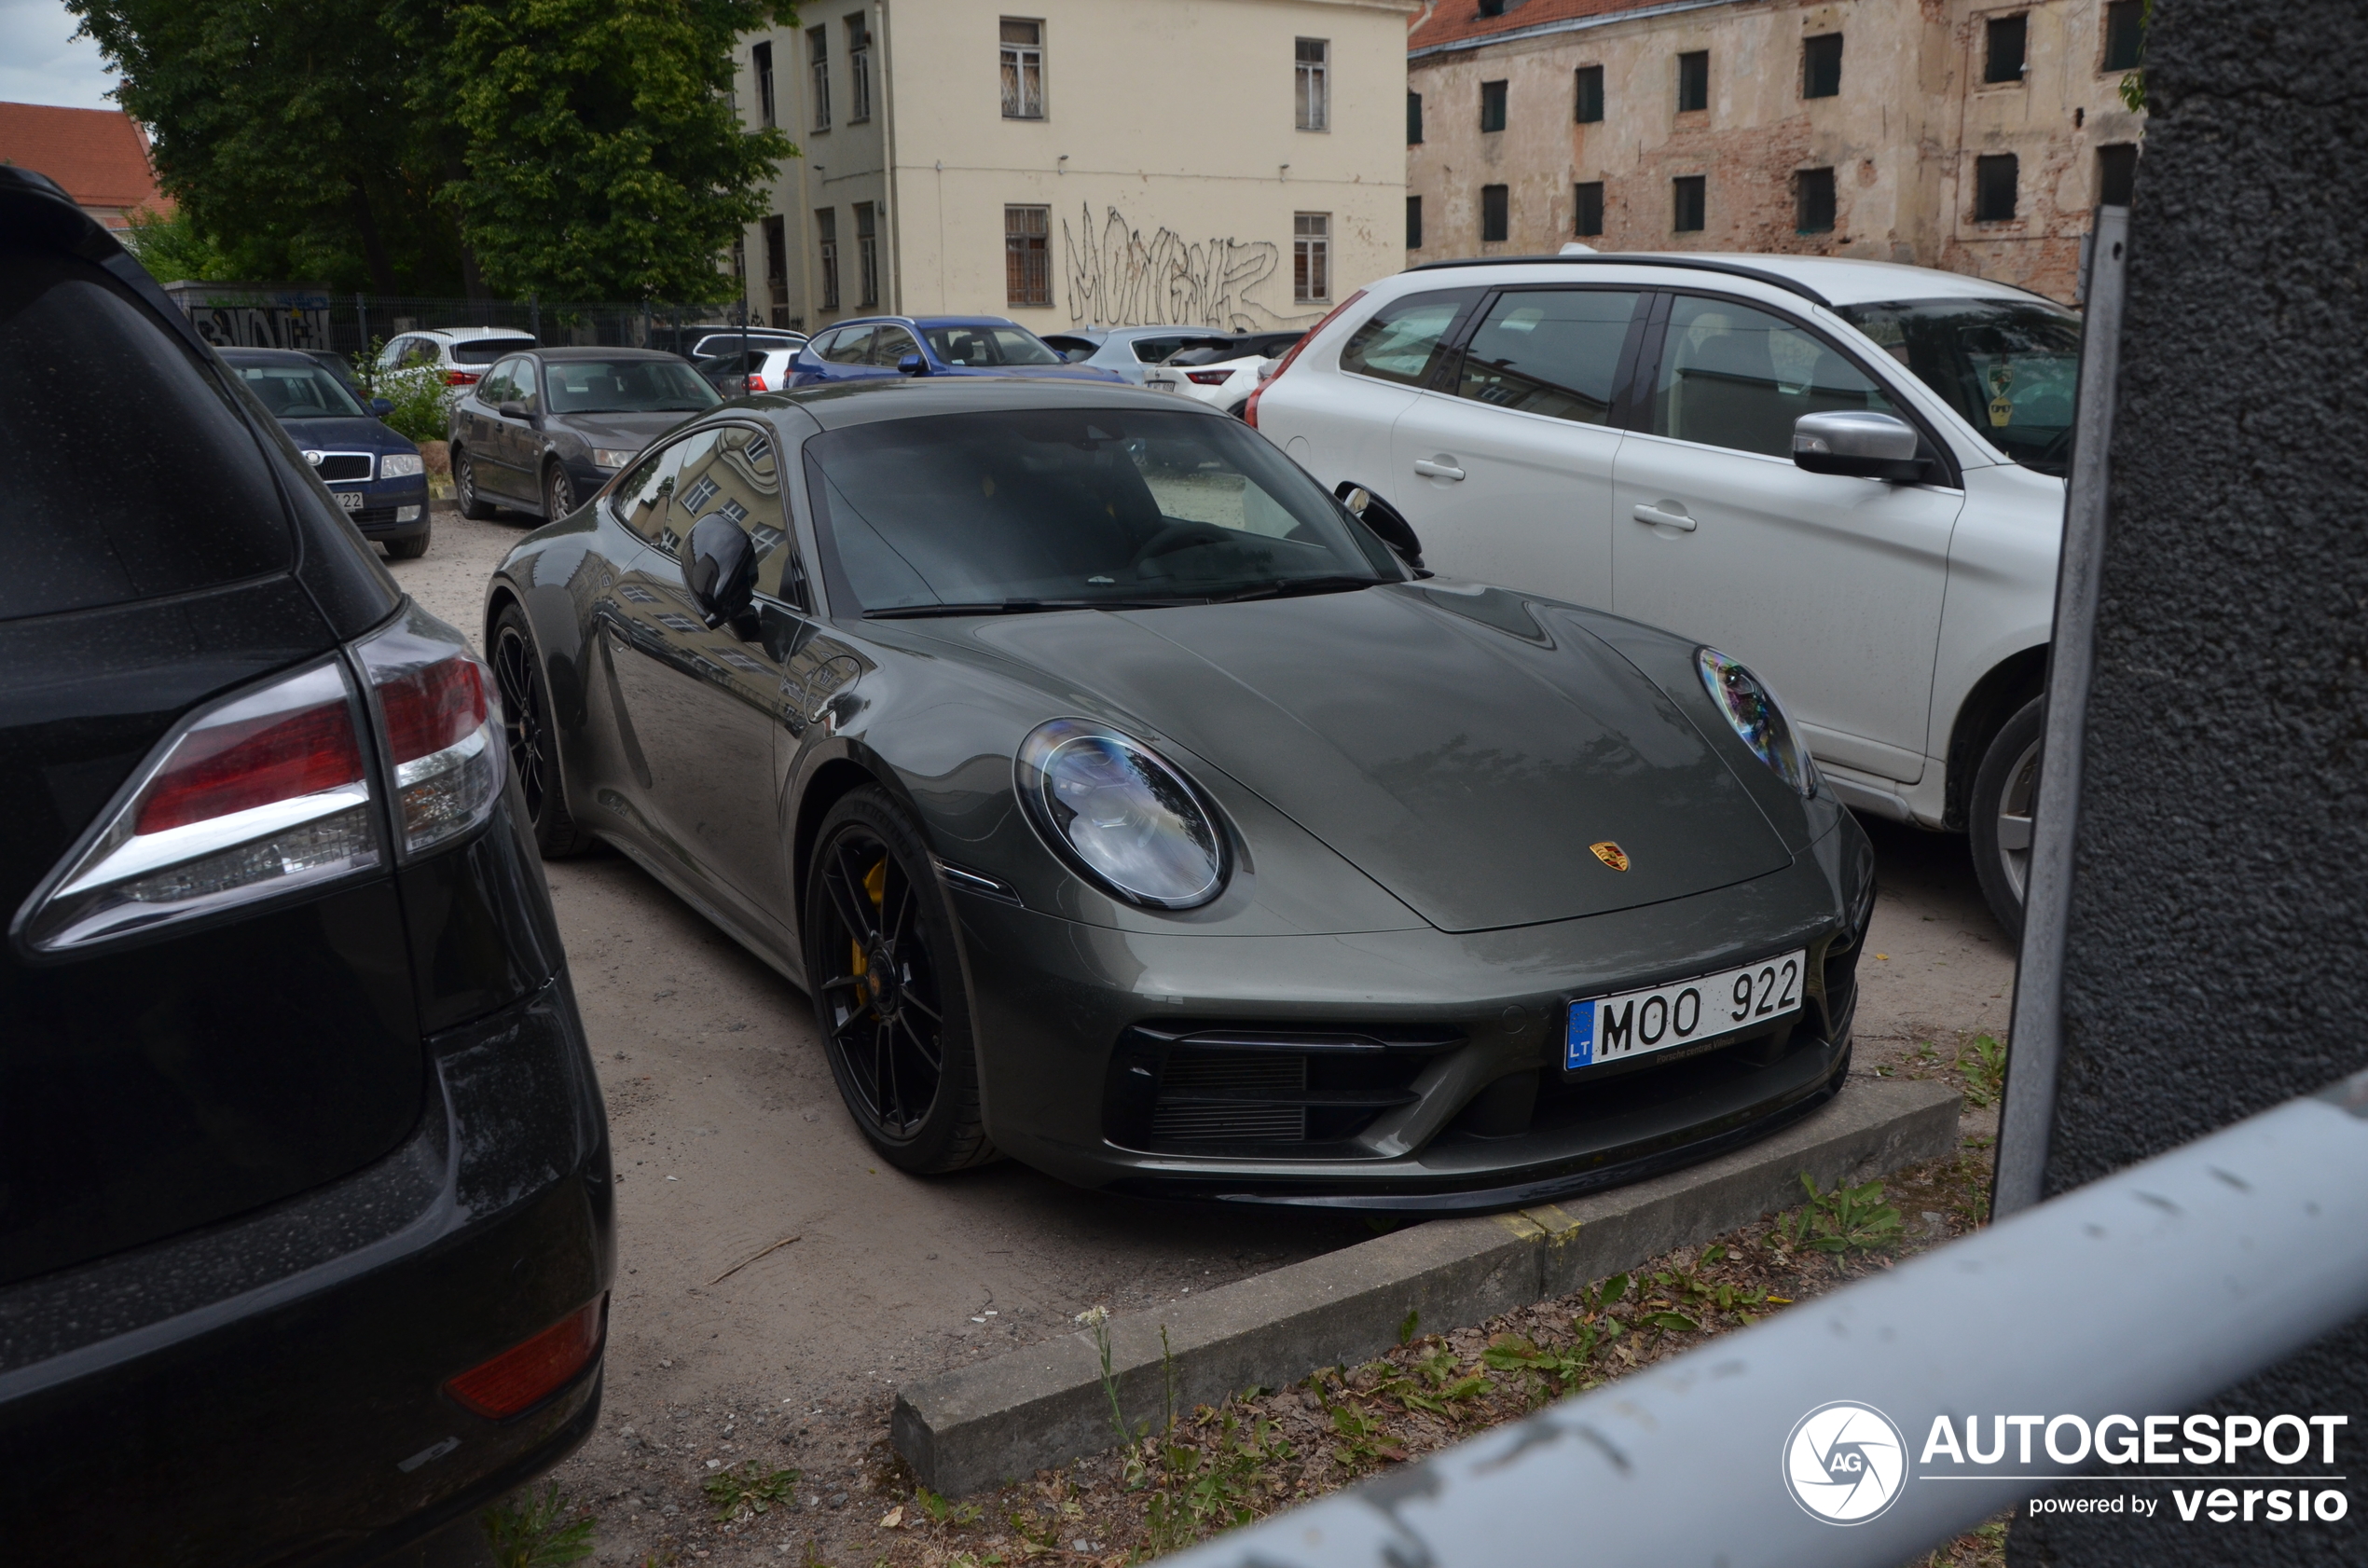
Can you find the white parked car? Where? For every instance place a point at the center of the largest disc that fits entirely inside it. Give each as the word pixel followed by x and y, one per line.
pixel 1846 474
pixel 461 354
pixel 1221 376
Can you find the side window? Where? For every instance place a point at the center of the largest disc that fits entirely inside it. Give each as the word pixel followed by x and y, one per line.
pixel 418 351
pixel 850 346
pixel 639 500
pixel 1738 377
pixel 497 388
pixel 1550 351
pixel 734 473
pixel 890 344
pixel 1403 340
pixel 526 380
pixel 822 344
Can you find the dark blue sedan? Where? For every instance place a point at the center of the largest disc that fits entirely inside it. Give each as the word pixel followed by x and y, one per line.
pixel 374 472
pixel 931 346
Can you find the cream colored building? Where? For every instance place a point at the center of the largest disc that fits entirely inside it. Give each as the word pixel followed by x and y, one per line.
pixel 1230 163
pixel 1952 133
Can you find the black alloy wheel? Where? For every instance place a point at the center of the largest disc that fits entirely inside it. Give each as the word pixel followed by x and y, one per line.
pixel 2000 813
pixel 558 493
pixel 464 480
pixel 526 726
pixel 888 989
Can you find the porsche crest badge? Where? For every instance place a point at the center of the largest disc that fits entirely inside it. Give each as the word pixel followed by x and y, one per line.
pixel 1611 855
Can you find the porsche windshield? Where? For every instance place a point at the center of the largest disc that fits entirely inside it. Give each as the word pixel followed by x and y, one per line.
pixel 2009 366
pixel 1058 508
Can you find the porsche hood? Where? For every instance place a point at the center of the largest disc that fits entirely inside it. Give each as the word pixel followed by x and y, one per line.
pixel 1464 752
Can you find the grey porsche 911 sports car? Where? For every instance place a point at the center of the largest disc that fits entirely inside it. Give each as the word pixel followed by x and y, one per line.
pixel 1125 806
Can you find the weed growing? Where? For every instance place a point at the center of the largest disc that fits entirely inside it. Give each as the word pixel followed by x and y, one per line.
pixel 528 1531
pixel 748 1489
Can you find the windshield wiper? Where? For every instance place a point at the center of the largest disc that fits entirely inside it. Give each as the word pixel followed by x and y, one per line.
pixel 1291 587
pixel 1019 606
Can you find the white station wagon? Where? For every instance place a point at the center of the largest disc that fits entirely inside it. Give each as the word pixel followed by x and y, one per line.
pixel 1846 474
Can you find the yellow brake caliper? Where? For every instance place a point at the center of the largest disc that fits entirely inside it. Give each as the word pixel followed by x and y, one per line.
pixel 876 888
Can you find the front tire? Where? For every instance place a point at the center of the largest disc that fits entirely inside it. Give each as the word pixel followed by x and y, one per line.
pixel 558 493
pixel 534 744
pixel 409 549
pixel 1998 814
pixel 465 481
pixel 887 982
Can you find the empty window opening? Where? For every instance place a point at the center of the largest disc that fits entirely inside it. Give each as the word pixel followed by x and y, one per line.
pixel 1492 106
pixel 1414 222
pixel 2116 173
pixel 1994 179
pixel 1689 200
pixel 2003 60
pixel 1587 207
pixel 1693 81
pixel 1590 94
pixel 1496 214
pixel 1814 201
pixel 1820 66
pixel 2125 34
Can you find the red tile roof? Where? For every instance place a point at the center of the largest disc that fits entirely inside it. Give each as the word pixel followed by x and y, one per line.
pixel 1458 21
pixel 101 156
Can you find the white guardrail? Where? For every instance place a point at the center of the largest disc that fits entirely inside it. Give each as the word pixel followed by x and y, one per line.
pixel 1837 1433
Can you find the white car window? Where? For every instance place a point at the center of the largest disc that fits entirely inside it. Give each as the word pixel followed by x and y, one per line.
pixel 1402 341
pixel 1550 351
pixel 1738 377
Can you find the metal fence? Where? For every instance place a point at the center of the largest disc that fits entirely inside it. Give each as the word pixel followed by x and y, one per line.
pixel 299 316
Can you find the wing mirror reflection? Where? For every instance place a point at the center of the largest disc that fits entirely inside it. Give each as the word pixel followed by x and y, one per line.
pixel 1860 443
pixel 1388 526
pixel 719 566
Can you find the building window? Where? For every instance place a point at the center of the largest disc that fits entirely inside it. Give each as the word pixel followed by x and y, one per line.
pixel 818 54
pixel 826 238
pixel 2125 34
pixel 1022 69
pixel 1820 66
pixel 1693 81
pixel 1028 264
pixel 777 268
pixel 1492 8
pixel 1492 107
pixel 2004 59
pixel 1313 104
pixel 1688 199
pixel 1496 214
pixel 1994 188
pixel 1312 257
pixel 1587 207
pixel 1413 119
pixel 1813 201
pixel 858 69
pixel 761 63
pixel 1414 222
pixel 2116 173
pixel 1590 94
pixel 867 255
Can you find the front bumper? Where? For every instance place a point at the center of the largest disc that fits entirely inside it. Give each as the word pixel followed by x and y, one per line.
pixel 395 510
pixel 269 1391
pixel 1432 1074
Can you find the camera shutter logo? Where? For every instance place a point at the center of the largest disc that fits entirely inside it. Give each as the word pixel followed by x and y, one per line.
pixel 1845 1463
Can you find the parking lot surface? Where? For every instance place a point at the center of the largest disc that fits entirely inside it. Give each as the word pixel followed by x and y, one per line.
pixel 730 1140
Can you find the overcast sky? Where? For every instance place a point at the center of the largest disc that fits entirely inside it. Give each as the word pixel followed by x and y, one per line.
pixel 42 61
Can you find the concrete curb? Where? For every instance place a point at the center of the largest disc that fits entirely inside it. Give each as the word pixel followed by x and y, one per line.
pixel 1015 1415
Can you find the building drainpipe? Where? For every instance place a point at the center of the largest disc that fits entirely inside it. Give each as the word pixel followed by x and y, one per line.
pixel 893 295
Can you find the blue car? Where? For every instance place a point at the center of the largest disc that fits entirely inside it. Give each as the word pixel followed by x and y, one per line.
pixel 374 472
pixel 931 346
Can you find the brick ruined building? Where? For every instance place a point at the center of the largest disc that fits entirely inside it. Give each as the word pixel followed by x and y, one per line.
pixel 1896 130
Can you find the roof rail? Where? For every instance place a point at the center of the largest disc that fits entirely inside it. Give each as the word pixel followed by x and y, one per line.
pixel 1613 258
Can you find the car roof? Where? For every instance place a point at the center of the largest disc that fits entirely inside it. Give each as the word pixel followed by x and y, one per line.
pixel 562 355
pixel 269 356
pixel 1828 280
pixel 836 404
pixel 467 333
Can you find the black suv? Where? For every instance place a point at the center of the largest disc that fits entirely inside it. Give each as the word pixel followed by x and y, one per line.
pixel 305 1224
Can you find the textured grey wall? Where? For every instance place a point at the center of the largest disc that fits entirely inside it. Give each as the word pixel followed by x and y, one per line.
pixel 2217 959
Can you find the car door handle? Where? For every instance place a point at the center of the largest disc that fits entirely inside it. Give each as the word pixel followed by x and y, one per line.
pixel 1443 468
pixel 1659 517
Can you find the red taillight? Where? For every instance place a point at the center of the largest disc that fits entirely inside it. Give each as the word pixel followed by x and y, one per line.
pixel 461 377
pixel 430 708
pixel 1249 409
pixel 237 766
pixel 526 1374
pixel 1208 378
pixel 756 383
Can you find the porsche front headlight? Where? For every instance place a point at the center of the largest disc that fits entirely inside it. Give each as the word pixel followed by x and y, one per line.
pixel 1122 814
pixel 1752 709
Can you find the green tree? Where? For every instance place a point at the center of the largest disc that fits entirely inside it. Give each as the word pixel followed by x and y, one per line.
pixel 604 158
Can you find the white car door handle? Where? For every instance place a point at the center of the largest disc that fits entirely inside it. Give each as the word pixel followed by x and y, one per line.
pixel 1661 518
pixel 1442 469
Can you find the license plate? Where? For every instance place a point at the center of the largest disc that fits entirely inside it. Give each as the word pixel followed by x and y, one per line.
pixel 350 500
pixel 1637 1022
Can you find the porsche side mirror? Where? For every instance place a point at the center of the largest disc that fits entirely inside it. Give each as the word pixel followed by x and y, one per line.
pixel 912 364
pixel 1388 526
pixel 719 566
pixel 382 407
pixel 1860 443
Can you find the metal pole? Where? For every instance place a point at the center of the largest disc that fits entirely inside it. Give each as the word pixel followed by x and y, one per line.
pixel 534 314
pixel 362 316
pixel 2253 1243
pixel 2028 1115
pixel 743 333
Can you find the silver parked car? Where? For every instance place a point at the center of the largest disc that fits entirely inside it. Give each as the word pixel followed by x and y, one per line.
pixel 1131 351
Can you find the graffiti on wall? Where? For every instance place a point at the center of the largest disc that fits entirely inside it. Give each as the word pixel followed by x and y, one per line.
pixel 1118 278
